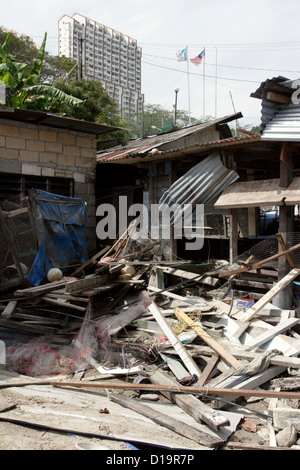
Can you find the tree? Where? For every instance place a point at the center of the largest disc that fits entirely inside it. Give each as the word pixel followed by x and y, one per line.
pixel 22 87
pixel 98 106
pixel 156 119
pixel 54 67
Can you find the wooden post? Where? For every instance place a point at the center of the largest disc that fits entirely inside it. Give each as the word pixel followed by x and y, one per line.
pixel 286 224
pixel 233 248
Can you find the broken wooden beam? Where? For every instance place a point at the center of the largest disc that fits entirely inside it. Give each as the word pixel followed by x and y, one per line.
pixel 284 282
pixel 90 261
pixel 87 283
pixel 174 340
pixel 9 309
pixel 168 421
pixel 189 403
pixel 218 348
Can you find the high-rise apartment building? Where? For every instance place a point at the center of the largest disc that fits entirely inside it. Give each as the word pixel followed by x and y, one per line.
pixel 108 56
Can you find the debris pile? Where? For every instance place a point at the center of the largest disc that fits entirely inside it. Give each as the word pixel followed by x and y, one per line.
pixel 177 347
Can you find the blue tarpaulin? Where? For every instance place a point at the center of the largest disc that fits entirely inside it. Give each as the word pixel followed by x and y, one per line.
pixel 60 223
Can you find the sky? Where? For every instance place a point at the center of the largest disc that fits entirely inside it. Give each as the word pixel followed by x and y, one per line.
pixel 245 43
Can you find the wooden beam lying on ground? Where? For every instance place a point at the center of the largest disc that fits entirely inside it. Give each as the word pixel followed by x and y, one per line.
pixel 218 348
pixel 178 389
pixel 189 403
pixel 168 421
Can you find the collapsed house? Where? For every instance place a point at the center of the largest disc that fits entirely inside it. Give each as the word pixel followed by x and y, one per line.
pixel 190 352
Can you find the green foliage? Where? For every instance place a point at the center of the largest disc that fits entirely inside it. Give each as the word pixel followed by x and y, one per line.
pixel 21 81
pixel 249 128
pixel 156 119
pixel 98 106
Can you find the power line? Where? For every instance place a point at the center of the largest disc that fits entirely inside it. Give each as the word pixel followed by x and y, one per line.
pixel 229 66
pixel 202 75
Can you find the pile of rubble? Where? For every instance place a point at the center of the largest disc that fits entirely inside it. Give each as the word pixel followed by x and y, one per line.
pixel 149 333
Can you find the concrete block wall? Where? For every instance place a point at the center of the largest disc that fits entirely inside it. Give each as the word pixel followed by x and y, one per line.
pixel 37 150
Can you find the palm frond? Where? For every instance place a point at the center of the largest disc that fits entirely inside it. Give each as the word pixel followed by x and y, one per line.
pixel 54 93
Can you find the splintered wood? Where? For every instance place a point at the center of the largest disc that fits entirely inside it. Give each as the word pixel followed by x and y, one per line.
pixel 208 339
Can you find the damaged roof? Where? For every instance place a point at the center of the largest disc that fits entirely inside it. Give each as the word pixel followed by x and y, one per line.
pixel 150 147
pixel 144 154
pixel 53 120
pixel 280 116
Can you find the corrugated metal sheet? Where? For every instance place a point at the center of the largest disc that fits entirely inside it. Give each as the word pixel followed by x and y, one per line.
pixel 269 109
pixel 120 154
pixel 141 154
pixel 285 125
pixel 199 185
pixel 140 146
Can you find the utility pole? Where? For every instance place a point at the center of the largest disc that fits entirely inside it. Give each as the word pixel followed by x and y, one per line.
pixel 80 40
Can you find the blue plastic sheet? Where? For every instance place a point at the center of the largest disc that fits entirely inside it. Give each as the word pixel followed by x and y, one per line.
pixel 62 234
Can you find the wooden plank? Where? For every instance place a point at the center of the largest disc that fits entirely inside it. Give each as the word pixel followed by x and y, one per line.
pixel 246 446
pixel 277 98
pixel 218 348
pixel 174 340
pixel 269 334
pixel 87 283
pixel 63 304
pixel 89 262
pixel 167 421
pixel 9 309
pixel 187 275
pixel 189 403
pixel 284 248
pixel 40 290
pixel 177 388
pixel 174 296
pixel 285 281
pixel 208 370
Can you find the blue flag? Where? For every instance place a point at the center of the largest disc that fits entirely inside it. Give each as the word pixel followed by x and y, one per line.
pixel 181 55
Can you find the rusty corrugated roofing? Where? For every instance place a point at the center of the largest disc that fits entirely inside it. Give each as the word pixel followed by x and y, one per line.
pixel 142 153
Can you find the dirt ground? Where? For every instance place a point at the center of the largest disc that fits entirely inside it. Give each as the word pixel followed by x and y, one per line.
pixel 88 411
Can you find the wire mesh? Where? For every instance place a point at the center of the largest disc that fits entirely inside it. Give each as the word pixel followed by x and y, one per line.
pixel 269 247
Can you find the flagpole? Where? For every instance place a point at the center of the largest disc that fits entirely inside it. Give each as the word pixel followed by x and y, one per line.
pixel 188 76
pixel 216 83
pixel 204 87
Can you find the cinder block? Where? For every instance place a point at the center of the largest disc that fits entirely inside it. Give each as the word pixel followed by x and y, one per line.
pixel 65 160
pixel 9 154
pixel 11 131
pixel 30 169
pixel 66 139
pixel 29 156
pixel 71 150
pixel 48 136
pixel 26 133
pixel 35 145
pixel 84 142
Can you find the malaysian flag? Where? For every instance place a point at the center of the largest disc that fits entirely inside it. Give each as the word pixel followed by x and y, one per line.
pixel 199 58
